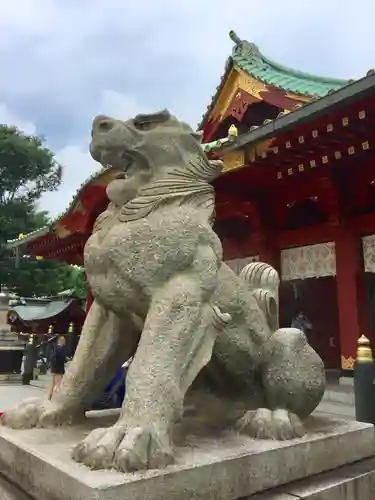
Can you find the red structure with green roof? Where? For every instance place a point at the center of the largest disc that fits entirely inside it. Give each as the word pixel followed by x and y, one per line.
pixel 298 191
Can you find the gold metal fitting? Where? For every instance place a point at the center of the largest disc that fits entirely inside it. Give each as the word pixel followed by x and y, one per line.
pixel 232 132
pixel 364 351
pixel 71 328
pixel 50 329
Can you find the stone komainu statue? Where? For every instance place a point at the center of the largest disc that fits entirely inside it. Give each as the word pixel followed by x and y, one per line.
pixel 163 295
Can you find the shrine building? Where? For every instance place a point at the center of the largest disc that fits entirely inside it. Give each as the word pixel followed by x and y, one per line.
pixel 298 192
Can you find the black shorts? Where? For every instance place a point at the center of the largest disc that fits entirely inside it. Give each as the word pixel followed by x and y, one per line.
pixel 57 369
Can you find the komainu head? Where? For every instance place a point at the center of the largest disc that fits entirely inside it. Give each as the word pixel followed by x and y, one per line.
pixel 151 147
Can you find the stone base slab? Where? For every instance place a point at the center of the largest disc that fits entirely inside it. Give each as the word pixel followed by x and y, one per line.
pixel 210 463
pixel 351 482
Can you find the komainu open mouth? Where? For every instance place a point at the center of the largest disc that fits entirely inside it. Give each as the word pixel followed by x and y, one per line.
pixel 119 160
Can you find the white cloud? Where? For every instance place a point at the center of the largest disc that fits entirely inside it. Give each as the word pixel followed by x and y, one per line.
pixel 73 59
pixel 8 118
pixel 119 105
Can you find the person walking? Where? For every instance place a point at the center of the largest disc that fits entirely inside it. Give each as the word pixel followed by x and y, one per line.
pixel 58 360
pixel 301 322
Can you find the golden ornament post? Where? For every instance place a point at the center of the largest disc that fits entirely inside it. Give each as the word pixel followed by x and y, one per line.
pixel 70 341
pixel 364 387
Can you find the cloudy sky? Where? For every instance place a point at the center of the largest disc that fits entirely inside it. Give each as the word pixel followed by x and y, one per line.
pixel 64 61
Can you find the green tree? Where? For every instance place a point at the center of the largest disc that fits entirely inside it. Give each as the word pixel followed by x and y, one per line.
pixel 31 276
pixel 27 170
pixel 76 282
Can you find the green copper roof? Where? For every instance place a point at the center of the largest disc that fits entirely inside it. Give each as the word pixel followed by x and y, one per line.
pixel 41 312
pixel 247 57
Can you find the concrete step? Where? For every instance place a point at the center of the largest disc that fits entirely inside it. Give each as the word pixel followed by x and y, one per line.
pixel 336 410
pixel 343 394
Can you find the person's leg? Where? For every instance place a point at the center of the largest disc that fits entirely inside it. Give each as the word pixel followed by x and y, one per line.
pixel 58 379
pixel 52 386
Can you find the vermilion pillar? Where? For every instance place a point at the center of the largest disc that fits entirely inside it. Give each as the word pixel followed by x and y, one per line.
pixel 350 294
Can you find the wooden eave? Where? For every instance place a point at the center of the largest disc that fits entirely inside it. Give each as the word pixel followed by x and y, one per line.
pixel 361 89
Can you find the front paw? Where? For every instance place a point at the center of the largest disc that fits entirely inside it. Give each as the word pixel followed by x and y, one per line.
pixel 38 412
pixel 263 423
pixel 25 415
pixel 127 449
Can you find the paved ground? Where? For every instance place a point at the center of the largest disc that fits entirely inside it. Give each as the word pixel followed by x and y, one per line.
pixel 12 394
pixel 338 401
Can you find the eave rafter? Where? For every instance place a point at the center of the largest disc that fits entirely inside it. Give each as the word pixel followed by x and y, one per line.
pixel 228 206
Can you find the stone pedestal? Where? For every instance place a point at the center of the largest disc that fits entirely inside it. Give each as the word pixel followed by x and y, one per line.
pixel 350 482
pixel 210 463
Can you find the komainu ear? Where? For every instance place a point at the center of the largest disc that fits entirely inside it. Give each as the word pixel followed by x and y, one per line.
pixel 152 118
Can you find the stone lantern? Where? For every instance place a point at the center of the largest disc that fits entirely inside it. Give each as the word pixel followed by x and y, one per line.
pixel 11 350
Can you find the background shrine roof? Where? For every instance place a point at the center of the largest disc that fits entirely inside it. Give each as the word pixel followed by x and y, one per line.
pixel 247 57
pixel 40 310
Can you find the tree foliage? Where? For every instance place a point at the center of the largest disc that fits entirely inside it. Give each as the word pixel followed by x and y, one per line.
pixel 27 170
pixel 76 282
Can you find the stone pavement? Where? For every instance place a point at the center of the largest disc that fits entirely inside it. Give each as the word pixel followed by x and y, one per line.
pixel 12 394
pixel 338 401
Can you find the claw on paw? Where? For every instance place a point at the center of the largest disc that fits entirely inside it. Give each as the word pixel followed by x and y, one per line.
pixel 143 448
pixel 263 423
pixel 127 450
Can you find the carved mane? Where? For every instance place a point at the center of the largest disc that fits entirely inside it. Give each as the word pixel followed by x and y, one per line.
pixel 180 187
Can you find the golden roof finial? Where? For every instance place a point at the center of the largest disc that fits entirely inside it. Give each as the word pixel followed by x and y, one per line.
pixel 364 351
pixel 21 236
pixel 232 132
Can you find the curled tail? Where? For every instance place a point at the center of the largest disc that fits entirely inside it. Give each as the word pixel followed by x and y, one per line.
pixel 263 281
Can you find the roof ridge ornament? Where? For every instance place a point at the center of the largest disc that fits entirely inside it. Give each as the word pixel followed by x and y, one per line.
pixel 243 48
pixel 234 37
